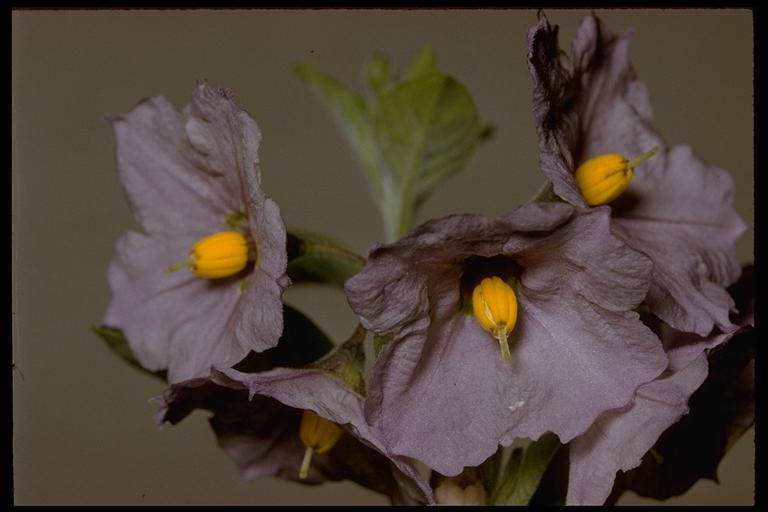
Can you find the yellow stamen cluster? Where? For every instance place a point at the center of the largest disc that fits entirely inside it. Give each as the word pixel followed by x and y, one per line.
pixel 220 255
pixel 603 178
pixel 318 435
pixel 495 306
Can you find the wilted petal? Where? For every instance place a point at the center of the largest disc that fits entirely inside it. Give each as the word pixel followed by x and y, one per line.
pixel 588 259
pixel 330 398
pixel 619 439
pixel 587 104
pixel 261 433
pixel 721 410
pixel 677 209
pixel 440 390
pixel 681 216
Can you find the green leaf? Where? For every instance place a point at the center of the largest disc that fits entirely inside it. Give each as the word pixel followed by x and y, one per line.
pixel 524 471
pixel 409 137
pixel 508 479
pixel 115 340
pixel 553 486
pixel 378 73
pixel 490 469
pixel 424 63
pixel 351 115
pixel 315 258
pixel 302 342
pixel 426 130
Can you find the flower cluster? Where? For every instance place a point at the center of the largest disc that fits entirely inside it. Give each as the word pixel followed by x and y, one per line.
pixel 586 315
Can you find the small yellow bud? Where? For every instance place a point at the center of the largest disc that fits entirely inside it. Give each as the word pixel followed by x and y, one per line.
pixel 220 255
pixel 603 178
pixel 318 435
pixel 495 306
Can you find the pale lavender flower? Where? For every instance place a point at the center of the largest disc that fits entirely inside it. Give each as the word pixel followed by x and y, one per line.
pixel 257 417
pixel 188 175
pixel 441 391
pixel 619 439
pixel 677 210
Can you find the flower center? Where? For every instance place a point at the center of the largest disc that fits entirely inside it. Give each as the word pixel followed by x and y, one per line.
pixel 318 435
pixel 495 307
pixel 216 256
pixel 603 178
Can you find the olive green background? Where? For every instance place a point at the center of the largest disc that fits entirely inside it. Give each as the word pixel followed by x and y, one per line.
pixel 83 428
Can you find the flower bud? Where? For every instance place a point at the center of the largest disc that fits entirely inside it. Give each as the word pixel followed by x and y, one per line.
pixel 495 306
pixel 603 178
pixel 451 492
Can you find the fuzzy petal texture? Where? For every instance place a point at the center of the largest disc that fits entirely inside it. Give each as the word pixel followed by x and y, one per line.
pixel 620 439
pixel 440 390
pixel 257 417
pixel 677 210
pixel 185 173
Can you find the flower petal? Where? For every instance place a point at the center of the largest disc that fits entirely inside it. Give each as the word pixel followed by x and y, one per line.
pixel 677 209
pixel 585 257
pixel 183 323
pixel 588 104
pixel 681 216
pixel 440 390
pixel 317 391
pixel 619 439
pixel 185 175
pixel 173 186
pixel 721 410
pixel 261 433
pixel 226 140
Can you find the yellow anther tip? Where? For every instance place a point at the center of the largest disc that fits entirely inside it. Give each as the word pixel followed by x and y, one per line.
pixel 494 305
pixel 318 433
pixel 605 177
pixel 220 255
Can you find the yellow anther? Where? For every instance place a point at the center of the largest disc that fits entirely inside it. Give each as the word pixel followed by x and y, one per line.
pixel 603 178
pixel 495 306
pixel 318 435
pixel 220 255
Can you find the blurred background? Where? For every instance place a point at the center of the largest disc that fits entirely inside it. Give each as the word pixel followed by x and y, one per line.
pixel 83 428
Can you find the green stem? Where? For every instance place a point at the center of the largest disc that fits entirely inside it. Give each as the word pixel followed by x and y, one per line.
pixel 179 266
pixel 642 158
pixel 501 336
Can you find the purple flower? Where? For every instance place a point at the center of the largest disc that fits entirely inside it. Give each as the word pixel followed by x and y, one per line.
pixel 442 392
pixel 677 209
pixel 189 175
pixel 619 439
pixel 257 418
